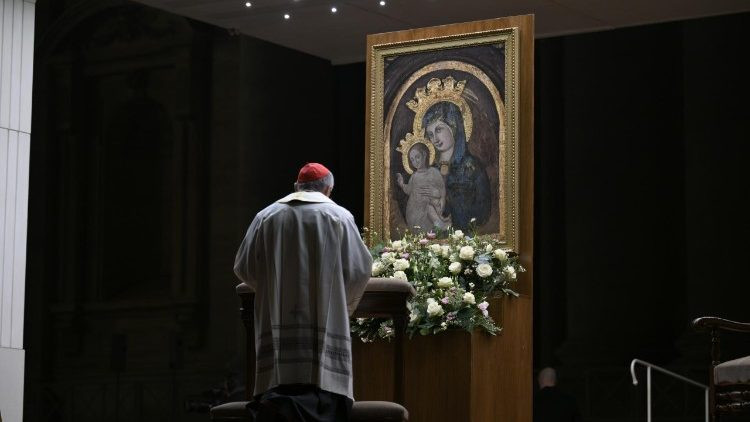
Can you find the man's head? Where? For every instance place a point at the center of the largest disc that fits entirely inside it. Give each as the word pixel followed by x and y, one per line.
pixel 314 177
pixel 547 378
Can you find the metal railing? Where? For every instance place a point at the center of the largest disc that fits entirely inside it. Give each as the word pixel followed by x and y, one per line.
pixel 650 366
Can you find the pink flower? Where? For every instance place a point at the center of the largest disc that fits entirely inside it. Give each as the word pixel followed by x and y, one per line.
pixel 386 249
pixel 423 241
pixel 444 301
pixel 431 235
pixel 405 255
pixel 483 307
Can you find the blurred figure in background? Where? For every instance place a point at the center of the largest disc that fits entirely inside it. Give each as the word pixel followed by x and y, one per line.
pixel 550 403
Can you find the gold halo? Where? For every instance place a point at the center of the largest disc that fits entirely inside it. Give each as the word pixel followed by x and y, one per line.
pixel 438 91
pixel 405 145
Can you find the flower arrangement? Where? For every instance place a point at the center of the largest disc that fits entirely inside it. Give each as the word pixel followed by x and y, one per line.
pixel 453 278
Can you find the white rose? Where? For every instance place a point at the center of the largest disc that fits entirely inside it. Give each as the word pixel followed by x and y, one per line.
pixel 488 248
pixel 431 300
pixel 400 264
pixel 445 250
pixel 387 256
pixel 469 298
pixel 400 275
pixel 397 245
pixel 501 255
pixel 510 272
pixel 377 268
pixel 444 282
pixel 466 252
pixel 458 235
pixel 434 309
pixel 435 248
pixel 455 267
pixel 484 270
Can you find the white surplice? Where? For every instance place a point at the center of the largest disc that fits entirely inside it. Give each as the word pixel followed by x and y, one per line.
pixel 304 258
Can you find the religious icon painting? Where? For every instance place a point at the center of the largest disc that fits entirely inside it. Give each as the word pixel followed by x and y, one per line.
pixel 442 138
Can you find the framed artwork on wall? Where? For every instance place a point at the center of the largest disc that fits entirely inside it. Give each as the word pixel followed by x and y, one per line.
pixel 443 131
pixel 450 146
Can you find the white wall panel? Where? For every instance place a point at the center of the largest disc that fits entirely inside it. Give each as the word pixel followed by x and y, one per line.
pixel 3 189
pixel 15 67
pixel 9 233
pixel 16 80
pixel 3 59
pixel 5 70
pixel 11 393
pixel 2 40
pixel 27 66
pixel 19 248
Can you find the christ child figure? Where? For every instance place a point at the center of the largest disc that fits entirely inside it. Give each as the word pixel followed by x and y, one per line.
pixel 426 192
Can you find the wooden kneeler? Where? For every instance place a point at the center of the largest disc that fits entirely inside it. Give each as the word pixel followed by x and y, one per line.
pixel 386 298
pixel 383 298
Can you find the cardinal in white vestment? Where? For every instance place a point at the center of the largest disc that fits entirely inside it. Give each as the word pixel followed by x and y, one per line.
pixel 306 261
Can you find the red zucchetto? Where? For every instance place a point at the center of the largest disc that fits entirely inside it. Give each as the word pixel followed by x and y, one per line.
pixel 312 172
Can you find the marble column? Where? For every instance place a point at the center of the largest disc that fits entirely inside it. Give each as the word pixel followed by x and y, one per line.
pixel 16 73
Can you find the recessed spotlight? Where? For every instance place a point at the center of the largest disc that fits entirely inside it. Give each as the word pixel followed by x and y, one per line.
pixel 248 4
pixel 382 2
pixel 334 10
pixel 286 16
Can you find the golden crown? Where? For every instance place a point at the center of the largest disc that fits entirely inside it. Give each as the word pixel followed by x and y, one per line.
pixel 436 91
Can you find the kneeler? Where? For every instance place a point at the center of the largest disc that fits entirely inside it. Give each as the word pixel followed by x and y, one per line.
pixel 729 382
pixel 383 298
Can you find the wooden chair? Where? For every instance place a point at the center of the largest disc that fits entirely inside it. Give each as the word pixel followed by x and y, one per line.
pixel 729 382
pixel 383 297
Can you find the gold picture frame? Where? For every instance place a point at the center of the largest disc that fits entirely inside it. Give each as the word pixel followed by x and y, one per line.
pixel 471 72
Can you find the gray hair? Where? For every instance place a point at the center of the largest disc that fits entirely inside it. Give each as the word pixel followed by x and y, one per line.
pixel 319 185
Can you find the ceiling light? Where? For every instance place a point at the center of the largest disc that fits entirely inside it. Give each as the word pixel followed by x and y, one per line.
pixel 382 2
pixel 334 10
pixel 248 4
pixel 286 16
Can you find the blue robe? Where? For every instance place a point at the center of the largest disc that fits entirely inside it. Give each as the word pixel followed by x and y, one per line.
pixel 467 192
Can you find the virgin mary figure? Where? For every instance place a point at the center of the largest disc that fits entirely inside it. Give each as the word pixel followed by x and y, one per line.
pixel 467 188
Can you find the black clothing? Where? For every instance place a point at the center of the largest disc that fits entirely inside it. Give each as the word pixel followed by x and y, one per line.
pixel 301 403
pixel 553 405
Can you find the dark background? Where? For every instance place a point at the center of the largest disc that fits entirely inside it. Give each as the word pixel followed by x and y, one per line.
pixel 156 140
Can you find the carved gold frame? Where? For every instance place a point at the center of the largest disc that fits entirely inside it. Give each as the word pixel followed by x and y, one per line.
pixel 377 204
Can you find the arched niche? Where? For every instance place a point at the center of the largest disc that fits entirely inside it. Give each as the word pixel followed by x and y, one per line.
pixel 121 136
